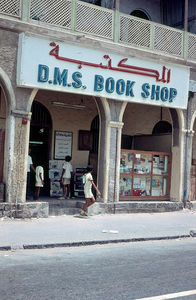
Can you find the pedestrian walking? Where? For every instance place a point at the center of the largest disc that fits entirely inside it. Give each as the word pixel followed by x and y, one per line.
pixel 89 197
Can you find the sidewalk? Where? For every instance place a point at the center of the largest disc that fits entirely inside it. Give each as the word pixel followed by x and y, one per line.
pixel 73 231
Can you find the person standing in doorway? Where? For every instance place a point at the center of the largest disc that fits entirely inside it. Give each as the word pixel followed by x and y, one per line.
pixel 39 181
pixel 66 178
pixel 29 168
pixel 89 197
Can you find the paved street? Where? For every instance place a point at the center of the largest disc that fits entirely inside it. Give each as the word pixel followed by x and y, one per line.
pixel 67 229
pixel 112 272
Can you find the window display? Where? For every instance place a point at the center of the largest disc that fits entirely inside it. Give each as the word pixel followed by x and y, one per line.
pixel 142 163
pixel 126 162
pixel 125 185
pixel 144 174
pixel 160 164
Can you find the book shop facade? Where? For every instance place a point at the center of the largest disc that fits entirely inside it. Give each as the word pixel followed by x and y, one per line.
pixel 124 115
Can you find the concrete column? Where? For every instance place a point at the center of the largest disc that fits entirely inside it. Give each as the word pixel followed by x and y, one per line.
pixel 189 117
pixel 110 112
pixel 17 140
pixel 115 129
pixel 187 163
pixel 177 171
pixel 103 159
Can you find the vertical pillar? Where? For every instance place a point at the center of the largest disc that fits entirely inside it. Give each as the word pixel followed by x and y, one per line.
pixel 115 129
pixel 186 9
pixel 187 163
pixel 189 116
pixel 25 10
pixel 111 112
pixel 177 171
pixel 17 141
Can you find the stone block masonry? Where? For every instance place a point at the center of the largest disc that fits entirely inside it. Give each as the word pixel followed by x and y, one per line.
pixel 134 207
pixel 24 210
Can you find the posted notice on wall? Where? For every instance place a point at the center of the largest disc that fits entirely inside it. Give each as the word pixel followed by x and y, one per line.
pixel 63 144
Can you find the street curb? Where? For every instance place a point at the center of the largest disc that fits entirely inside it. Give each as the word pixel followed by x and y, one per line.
pixel 98 242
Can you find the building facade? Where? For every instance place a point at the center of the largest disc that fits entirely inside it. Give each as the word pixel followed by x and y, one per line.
pixel 111 84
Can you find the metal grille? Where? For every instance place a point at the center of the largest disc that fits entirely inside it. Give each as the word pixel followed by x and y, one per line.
pixel 52 12
pixel 11 7
pixel 94 20
pixel 168 40
pixel 192 46
pixel 134 31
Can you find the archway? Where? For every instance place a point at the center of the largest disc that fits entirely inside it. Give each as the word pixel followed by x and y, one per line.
pixel 147 129
pixel 145 171
pixel 39 142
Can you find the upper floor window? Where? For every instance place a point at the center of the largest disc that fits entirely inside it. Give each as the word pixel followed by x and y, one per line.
pixel 140 14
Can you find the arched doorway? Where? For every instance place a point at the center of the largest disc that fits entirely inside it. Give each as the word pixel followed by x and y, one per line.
pixel 39 142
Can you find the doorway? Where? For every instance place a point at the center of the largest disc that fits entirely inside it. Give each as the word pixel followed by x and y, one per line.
pixel 39 142
pixel 93 154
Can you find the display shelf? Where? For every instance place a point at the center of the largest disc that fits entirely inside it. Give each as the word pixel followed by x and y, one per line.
pixel 144 174
pixel 160 164
pixel 126 162
pixel 125 185
pixel 78 182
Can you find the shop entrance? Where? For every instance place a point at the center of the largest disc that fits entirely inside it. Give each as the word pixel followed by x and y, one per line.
pixel 40 137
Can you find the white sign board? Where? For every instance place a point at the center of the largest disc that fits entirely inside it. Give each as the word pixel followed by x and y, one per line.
pixel 63 144
pixel 51 65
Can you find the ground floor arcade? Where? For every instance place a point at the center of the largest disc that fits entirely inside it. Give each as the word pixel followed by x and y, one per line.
pixel 100 128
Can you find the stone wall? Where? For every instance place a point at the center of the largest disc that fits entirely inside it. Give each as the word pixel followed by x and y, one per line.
pixel 24 210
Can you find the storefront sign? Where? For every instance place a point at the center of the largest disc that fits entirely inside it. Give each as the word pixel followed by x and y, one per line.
pixel 63 144
pixel 50 65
